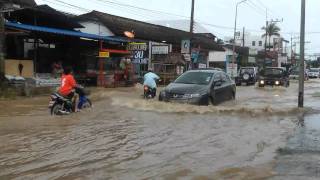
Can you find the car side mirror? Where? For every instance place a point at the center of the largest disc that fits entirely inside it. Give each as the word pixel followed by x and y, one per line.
pixel 217 83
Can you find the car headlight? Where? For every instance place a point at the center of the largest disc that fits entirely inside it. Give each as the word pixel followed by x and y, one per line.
pixel 277 82
pixel 262 82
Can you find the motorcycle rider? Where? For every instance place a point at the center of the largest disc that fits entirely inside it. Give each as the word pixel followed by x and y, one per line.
pixel 68 85
pixel 150 80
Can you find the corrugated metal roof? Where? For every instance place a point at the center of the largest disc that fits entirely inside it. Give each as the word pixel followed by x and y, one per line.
pixel 148 31
pixel 62 32
pixel 43 15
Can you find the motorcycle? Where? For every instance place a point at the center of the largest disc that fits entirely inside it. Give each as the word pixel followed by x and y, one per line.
pixel 60 105
pixel 149 93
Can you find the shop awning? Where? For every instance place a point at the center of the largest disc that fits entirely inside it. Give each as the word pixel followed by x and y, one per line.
pixel 62 32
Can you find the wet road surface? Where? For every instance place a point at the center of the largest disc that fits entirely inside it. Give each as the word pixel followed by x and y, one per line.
pixel 126 137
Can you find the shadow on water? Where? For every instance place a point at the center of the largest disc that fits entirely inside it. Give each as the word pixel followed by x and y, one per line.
pixel 300 157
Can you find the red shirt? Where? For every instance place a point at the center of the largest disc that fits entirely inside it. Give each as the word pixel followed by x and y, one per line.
pixel 67 84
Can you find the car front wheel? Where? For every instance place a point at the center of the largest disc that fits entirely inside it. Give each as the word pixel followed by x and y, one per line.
pixel 211 101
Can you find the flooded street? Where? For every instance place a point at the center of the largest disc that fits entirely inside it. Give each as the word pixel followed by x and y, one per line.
pixel 126 137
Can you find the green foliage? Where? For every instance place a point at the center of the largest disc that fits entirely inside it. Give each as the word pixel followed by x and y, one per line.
pixel 271 30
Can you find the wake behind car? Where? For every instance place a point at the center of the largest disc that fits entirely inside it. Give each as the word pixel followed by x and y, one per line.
pixel 247 76
pixel 200 87
pixel 273 76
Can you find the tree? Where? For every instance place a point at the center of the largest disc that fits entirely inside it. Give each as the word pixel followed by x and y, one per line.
pixel 220 41
pixel 271 30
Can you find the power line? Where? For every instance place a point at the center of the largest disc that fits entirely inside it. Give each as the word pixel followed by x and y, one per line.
pixel 253 8
pixel 140 8
pixel 155 12
pixel 73 6
pixel 259 7
pixel 266 7
pixel 126 9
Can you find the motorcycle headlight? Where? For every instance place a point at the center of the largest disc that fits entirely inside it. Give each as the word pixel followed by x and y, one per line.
pixel 262 82
pixel 277 82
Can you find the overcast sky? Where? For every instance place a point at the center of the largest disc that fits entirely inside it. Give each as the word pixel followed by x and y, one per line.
pixel 216 15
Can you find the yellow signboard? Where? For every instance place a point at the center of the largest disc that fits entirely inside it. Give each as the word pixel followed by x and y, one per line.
pixel 104 54
pixel 137 47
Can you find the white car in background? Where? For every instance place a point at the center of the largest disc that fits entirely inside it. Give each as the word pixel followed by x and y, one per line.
pixel 314 73
pixel 295 75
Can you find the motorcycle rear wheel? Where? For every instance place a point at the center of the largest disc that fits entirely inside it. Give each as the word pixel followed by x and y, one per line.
pixel 56 109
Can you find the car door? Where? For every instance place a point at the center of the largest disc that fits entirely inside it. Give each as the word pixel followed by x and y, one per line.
pixel 216 90
pixel 226 87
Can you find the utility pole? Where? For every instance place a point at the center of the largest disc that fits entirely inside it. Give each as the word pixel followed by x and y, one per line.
pixel 191 30
pixel 234 37
pixel 192 18
pixel 265 40
pixel 243 40
pixel 2 39
pixel 291 49
pixel 302 39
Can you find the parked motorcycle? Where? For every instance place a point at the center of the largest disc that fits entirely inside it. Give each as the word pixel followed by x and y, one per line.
pixel 60 105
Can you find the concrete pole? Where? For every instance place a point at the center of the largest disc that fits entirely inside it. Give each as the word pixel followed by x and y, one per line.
pixel 192 17
pixel 291 50
pixel 234 37
pixel 243 37
pixel 234 40
pixel 2 44
pixel 191 31
pixel 302 39
pixel 265 40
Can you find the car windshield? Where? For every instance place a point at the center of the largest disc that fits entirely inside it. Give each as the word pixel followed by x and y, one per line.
pixel 247 70
pixel 201 78
pixel 272 72
pixel 314 70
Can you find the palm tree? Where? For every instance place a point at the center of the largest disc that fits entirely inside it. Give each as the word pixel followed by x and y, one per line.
pixel 271 30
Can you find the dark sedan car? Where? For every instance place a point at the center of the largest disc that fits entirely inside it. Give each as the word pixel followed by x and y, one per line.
pixel 200 87
pixel 273 76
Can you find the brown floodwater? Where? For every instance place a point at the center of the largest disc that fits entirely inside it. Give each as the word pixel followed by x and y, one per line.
pixel 126 137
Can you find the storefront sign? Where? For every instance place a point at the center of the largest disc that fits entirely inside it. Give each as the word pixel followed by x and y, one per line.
pixel 140 61
pixel 238 35
pixel 138 54
pixel 137 47
pixel 232 69
pixel 160 49
pixel 253 52
pixel 251 59
pixel 202 66
pixel 185 46
pixel 103 54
